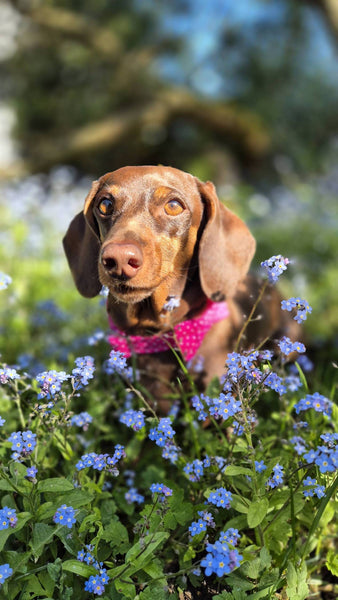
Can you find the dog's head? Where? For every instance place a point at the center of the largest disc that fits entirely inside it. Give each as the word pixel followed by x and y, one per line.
pixel 142 228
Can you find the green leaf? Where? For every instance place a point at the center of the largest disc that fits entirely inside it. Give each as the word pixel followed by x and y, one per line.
pixel 257 511
pixel 238 504
pixel 75 498
pixel 117 535
pixel 42 534
pixel 55 484
pixel 142 552
pixel 155 591
pixel 125 588
pixel 79 568
pixel 332 562
pixel 5 533
pixel 54 569
pixel 232 470
pixel 297 588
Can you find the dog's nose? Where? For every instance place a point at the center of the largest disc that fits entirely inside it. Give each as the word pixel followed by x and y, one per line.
pixel 122 260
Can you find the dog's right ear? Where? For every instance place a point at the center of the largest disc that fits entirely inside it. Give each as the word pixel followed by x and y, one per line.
pixel 82 248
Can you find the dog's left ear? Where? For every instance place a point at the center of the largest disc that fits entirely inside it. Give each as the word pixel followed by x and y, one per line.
pixel 82 247
pixel 226 247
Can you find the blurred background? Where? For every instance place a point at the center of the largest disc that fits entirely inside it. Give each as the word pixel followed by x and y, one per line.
pixel 243 93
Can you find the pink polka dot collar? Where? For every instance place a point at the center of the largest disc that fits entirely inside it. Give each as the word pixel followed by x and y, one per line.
pixel 186 336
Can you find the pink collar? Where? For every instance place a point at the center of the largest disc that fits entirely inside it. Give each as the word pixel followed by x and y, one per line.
pixel 186 336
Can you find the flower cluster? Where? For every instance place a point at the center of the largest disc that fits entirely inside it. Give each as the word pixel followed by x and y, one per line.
pixel 222 557
pixel 222 407
pixel 5 281
pixel 162 432
pixel 277 477
pixel 275 266
pixel 116 363
pixel 313 488
pixel 274 382
pixel 8 374
pixel 133 419
pixel 65 515
pixel 132 496
pixel 287 346
pixel 242 366
pixel 101 462
pixel 96 583
pixel 160 488
pixel 197 527
pixel 325 457
pixel 8 517
pixel 316 401
pixel 83 371
pixel 87 557
pixel 82 420
pixel 194 469
pixel 171 452
pixel 302 308
pixel 23 443
pixel 5 572
pixel 50 383
pixel 220 497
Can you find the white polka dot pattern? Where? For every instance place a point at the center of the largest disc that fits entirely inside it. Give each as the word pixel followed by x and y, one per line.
pixel 185 337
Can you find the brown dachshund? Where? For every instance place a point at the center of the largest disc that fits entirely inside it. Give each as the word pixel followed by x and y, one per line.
pixel 174 260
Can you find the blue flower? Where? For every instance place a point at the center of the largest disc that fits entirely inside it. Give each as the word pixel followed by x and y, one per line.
pixel 230 536
pixel 194 470
pixel 83 372
pixel 8 374
pixel 65 515
pixel 5 281
pixel 220 559
pixel 287 346
pixel 96 583
pixel 160 488
pixel 133 496
pixel 8 518
pixel 197 526
pixel 5 572
pixel 260 466
pixel 101 462
pixel 316 401
pixel 50 383
pixel 23 443
pixel 171 303
pixel 133 419
pixel 162 432
pixel 207 517
pixel 302 308
pixel 82 420
pixel 31 472
pixel 220 497
pixel 116 363
pixel 170 452
pixel 274 382
pixel 275 266
pixel 2 421
pixel 277 477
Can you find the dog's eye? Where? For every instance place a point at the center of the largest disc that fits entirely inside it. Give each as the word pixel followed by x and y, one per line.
pixel 173 208
pixel 106 207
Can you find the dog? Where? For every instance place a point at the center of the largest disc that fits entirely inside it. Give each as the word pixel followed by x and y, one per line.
pixel 175 262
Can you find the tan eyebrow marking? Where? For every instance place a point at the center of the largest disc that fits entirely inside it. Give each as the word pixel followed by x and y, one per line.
pixel 162 192
pixel 113 189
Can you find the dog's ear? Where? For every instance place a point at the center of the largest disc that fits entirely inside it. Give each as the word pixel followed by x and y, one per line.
pixel 226 247
pixel 82 247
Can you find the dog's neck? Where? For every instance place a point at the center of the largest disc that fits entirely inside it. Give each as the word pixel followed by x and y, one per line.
pixel 150 315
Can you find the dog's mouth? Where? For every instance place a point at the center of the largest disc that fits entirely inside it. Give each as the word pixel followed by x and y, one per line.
pixel 127 293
